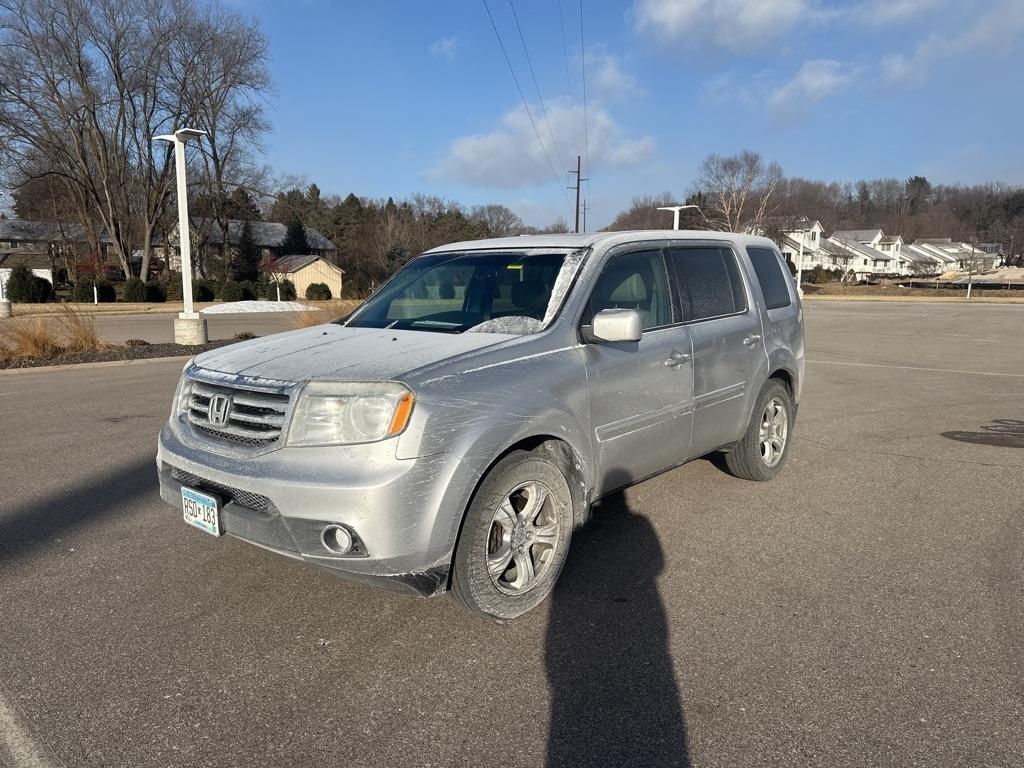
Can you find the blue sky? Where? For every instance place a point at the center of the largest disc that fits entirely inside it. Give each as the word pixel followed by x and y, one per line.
pixel 395 98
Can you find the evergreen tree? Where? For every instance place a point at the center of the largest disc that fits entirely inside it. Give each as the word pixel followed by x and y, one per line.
pixel 247 262
pixel 295 241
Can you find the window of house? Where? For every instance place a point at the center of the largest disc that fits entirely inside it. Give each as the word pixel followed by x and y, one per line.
pixel 770 275
pixel 865 262
pixel 814 235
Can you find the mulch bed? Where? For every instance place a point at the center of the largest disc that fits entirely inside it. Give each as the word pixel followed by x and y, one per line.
pixel 115 352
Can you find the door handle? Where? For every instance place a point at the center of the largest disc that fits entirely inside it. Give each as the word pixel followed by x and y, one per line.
pixel 677 358
pixel 752 339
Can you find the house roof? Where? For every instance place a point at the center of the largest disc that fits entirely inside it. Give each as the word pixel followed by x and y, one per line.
pixel 858 234
pixel 859 248
pixel 45 231
pixel 266 234
pixel 833 249
pixel 298 261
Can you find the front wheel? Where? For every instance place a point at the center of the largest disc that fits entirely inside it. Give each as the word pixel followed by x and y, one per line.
pixel 762 451
pixel 515 538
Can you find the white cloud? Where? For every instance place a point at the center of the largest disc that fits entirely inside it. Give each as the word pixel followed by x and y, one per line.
pixel 734 24
pixel 446 47
pixel 510 156
pixel 814 81
pixel 605 76
pixel 997 30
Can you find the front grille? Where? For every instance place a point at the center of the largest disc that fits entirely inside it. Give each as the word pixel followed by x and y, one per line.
pixel 253 418
pixel 226 492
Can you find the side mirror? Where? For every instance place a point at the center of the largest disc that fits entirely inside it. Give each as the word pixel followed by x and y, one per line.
pixel 616 325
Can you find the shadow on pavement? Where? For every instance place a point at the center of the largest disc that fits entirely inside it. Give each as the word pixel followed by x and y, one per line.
pixel 1001 433
pixel 615 701
pixel 70 507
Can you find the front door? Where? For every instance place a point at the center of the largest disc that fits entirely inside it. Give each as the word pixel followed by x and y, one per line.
pixel 641 393
pixel 728 350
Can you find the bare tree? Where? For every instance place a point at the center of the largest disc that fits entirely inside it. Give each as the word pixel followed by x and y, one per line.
pixel 738 189
pixel 497 219
pixel 88 84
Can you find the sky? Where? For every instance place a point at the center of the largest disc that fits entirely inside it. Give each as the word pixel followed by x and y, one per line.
pixel 394 98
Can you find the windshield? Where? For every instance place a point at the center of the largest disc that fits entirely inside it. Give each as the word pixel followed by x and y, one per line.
pixel 512 292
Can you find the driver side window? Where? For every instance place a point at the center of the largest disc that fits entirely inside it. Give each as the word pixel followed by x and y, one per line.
pixel 637 281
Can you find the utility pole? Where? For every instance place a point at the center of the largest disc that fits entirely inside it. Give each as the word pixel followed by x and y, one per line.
pixel 584 216
pixel 579 182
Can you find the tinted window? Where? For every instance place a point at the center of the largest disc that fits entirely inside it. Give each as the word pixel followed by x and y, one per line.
pixel 774 283
pixel 709 282
pixel 634 281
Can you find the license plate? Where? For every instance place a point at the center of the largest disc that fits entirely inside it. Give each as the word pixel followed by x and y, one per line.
pixel 201 510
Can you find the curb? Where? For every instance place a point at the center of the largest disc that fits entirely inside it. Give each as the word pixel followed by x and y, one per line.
pixel 101 364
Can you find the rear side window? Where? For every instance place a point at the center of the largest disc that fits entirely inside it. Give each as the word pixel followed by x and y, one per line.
pixel 774 283
pixel 709 282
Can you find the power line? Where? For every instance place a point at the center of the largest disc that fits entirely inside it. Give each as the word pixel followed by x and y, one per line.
pixel 568 77
pixel 558 178
pixel 583 63
pixel 536 87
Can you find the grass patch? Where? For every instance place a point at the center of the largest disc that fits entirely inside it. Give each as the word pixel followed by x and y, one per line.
pixel 307 318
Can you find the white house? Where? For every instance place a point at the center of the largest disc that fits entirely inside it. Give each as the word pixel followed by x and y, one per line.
pixel 801 243
pixel 869 260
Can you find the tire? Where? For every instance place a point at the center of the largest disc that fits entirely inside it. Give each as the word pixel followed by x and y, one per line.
pixel 747 459
pixel 511 550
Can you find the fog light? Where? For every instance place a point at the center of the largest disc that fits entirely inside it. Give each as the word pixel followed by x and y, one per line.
pixel 336 539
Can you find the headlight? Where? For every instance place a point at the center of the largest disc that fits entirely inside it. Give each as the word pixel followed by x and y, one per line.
pixel 181 395
pixel 340 413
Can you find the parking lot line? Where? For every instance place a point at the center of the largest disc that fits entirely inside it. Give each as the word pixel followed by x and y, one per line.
pixel 917 368
pixel 17 747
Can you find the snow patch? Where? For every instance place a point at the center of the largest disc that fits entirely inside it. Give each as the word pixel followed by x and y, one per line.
pixel 243 307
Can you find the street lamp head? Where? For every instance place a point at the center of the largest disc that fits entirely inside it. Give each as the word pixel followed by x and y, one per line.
pixel 182 135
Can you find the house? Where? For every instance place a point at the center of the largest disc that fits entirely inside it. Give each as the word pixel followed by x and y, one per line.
pixel 801 243
pixel 42 246
pixel 269 236
pixel 869 260
pixel 960 256
pixel 304 270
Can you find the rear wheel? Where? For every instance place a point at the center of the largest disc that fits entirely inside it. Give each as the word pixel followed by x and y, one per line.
pixel 762 451
pixel 515 537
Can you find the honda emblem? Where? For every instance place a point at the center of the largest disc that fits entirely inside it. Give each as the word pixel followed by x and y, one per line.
pixel 218 410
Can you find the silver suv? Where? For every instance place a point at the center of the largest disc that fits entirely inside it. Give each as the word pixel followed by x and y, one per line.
pixel 454 430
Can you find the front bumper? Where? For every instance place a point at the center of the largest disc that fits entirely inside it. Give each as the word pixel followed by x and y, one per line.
pixel 405 513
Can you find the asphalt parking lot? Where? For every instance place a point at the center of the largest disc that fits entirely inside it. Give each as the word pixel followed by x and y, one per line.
pixel 865 609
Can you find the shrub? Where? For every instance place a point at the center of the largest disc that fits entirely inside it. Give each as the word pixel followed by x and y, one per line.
pixel 231 291
pixel 288 292
pixel 83 291
pixel 134 291
pixel 25 288
pixel 172 287
pixel 244 336
pixel 202 290
pixel 318 292
pixel 250 290
pixel 155 292
pixel 136 343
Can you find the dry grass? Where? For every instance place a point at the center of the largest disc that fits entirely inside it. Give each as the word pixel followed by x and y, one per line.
pixel 307 318
pixel 27 338
pixel 78 330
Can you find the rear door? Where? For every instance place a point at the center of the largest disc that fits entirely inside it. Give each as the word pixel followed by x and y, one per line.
pixel 641 393
pixel 725 330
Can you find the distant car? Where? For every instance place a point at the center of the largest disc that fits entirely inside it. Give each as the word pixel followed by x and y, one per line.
pixel 454 430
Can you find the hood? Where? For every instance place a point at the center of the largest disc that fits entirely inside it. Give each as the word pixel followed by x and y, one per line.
pixel 344 354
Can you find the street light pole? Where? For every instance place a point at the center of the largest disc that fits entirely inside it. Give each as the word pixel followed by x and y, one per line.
pixel 800 266
pixel 675 210
pixel 189 327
